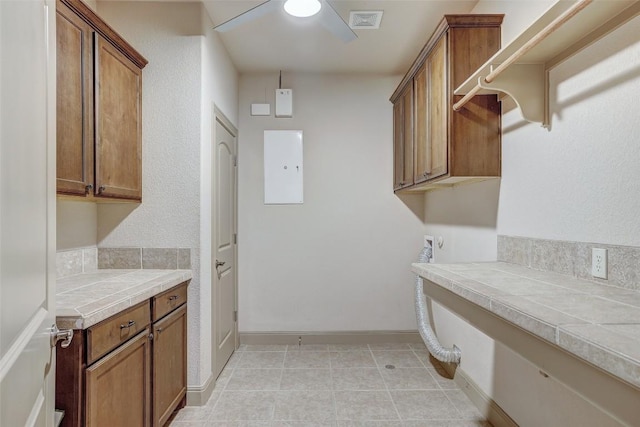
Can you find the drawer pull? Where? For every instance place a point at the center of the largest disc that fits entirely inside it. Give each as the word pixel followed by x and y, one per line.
pixel 173 298
pixel 129 324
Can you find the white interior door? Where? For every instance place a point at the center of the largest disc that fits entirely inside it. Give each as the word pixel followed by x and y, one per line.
pixel 27 211
pixel 224 267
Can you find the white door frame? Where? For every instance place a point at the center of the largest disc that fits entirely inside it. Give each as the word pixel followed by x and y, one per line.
pixel 219 116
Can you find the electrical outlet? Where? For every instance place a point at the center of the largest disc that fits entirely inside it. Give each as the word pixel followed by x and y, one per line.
pixel 599 263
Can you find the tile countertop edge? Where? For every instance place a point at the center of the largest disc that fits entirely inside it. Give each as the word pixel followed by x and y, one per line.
pixel 157 285
pixel 620 365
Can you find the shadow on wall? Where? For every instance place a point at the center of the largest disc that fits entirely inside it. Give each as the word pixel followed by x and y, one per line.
pixel 581 62
pixel 415 203
pixel 111 216
pixel 473 205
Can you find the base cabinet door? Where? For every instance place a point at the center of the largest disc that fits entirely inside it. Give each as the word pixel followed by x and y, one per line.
pixel 169 364
pixel 118 386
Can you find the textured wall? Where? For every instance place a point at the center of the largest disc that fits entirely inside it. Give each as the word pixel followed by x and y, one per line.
pixel 188 72
pixel 577 181
pixel 580 181
pixel 219 86
pixel 76 224
pixel 341 260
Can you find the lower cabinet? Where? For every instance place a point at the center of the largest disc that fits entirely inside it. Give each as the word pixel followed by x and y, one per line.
pixel 169 364
pixel 118 387
pixel 128 370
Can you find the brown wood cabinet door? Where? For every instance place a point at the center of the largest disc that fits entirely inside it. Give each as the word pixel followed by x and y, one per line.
pixel 118 112
pixel 438 101
pixel 118 386
pixel 74 103
pixel 407 137
pixel 169 364
pixel 398 128
pixel 422 150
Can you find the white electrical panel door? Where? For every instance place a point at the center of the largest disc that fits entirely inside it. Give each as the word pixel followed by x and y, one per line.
pixel 283 167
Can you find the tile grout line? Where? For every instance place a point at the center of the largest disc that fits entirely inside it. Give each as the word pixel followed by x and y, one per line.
pixel 386 386
pixel 233 369
pixel 427 368
pixel 333 387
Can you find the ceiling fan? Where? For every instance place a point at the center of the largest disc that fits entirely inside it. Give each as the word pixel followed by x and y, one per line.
pixel 329 18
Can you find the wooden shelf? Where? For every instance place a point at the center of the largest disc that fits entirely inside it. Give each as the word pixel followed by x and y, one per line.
pixel 576 24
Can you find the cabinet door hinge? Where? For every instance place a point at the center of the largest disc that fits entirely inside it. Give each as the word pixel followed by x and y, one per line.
pixel 235 160
pixel 235 238
pixel 235 316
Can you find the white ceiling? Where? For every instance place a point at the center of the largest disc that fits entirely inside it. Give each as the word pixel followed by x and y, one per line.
pixel 278 41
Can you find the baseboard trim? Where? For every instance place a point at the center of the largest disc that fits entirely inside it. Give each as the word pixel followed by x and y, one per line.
pixel 337 337
pixel 485 404
pixel 199 395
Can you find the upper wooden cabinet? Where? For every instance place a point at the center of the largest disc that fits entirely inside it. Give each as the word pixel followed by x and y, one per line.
pixel 447 147
pixel 99 108
pixel 403 140
pixel 74 102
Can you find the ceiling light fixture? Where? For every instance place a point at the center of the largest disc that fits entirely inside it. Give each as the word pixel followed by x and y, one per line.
pixel 302 8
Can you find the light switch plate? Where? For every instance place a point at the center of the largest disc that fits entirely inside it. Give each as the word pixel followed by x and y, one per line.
pixel 260 109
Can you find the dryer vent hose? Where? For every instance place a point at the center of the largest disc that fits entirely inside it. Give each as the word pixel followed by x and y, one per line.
pixel 446 355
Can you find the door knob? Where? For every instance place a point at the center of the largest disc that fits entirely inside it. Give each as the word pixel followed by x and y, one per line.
pixel 66 336
pixel 219 263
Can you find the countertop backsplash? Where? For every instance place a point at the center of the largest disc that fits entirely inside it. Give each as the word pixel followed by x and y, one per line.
pixel 84 260
pixel 572 258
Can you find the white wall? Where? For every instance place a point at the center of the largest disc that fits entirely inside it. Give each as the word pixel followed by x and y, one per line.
pixel 219 87
pixel 76 225
pixel 577 181
pixel 340 261
pixel 188 72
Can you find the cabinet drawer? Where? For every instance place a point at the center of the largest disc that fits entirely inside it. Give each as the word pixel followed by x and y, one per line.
pixel 169 300
pixel 110 333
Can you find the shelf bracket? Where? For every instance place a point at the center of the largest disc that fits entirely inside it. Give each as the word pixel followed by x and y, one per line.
pixel 530 97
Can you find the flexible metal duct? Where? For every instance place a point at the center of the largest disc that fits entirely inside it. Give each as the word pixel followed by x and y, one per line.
pixel 428 336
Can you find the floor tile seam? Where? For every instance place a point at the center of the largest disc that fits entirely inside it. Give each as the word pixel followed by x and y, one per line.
pixel 461 415
pixel 333 392
pixel 386 388
pixel 281 375
pixel 353 390
pixel 435 380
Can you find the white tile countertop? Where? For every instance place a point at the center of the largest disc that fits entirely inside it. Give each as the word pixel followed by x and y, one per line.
pixel 82 300
pixel 597 323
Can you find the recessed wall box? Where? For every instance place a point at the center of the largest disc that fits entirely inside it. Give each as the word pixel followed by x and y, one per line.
pixel 284 102
pixel 260 109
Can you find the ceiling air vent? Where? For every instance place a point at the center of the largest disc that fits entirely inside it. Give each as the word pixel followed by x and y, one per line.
pixel 365 19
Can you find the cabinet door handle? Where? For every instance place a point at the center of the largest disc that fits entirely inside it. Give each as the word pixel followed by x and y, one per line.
pixel 173 298
pixel 88 189
pixel 158 330
pixel 129 324
pixel 101 189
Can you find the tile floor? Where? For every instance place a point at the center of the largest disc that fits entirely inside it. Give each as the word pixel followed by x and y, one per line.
pixel 333 385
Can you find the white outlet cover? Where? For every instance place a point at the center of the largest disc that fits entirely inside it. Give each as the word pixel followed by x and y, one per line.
pixel 599 263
